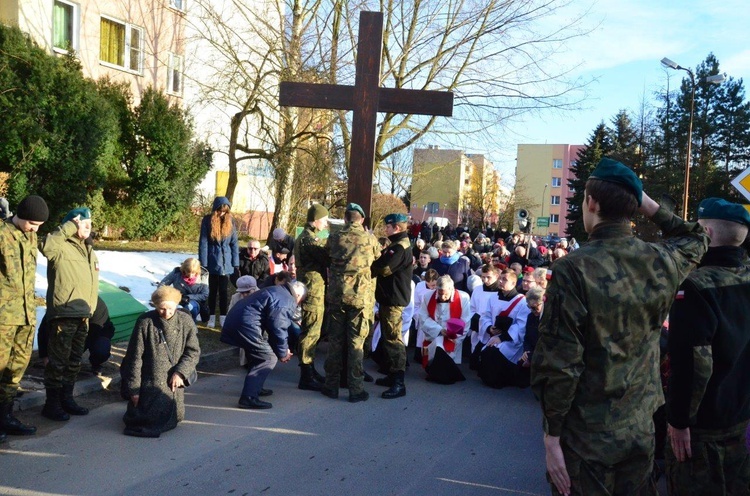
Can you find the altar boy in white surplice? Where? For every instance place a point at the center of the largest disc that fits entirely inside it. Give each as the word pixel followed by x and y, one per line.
pixel 441 345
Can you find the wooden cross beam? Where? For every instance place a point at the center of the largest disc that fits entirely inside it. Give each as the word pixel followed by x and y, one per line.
pixel 366 98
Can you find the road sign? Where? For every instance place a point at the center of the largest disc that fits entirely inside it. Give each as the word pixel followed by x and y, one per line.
pixel 742 183
pixel 542 222
pixel 433 207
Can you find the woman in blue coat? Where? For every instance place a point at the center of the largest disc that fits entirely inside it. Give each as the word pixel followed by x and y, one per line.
pixel 219 253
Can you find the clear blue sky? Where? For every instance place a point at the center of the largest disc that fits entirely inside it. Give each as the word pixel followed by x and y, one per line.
pixel 621 56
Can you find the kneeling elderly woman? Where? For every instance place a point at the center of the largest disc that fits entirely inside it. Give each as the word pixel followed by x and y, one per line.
pixel 163 352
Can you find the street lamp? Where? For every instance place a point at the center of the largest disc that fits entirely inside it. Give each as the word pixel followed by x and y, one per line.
pixel 715 79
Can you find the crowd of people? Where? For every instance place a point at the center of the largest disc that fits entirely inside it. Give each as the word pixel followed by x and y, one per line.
pixel 581 325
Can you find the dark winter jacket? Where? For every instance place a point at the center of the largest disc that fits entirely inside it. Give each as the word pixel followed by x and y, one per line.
pixel 393 270
pixel 270 309
pixel 459 271
pixel 198 292
pixel 219 257
pixel 258 268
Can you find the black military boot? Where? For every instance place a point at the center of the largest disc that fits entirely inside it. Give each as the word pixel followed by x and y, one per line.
pixel 307 380
pixel 317 375
pixel 52 408
pixel 11 425
pixel 398 389
pixel 386 381
pixel 69 404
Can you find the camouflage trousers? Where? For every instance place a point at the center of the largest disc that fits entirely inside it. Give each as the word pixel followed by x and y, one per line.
pixel 67 339
pixel 391 321
pixel 347 329
pixel 313 310
pixel 15 351
pixel 616 462
pixel 719 465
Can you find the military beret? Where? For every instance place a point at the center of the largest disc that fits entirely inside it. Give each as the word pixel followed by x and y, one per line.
pixel 83 212
pixel 718 208
pixel 395 218
pixel 316 212
pixel 616 172
pixel 353 207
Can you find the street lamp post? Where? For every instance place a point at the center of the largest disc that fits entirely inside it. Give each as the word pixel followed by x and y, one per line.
pixel 544 194
pixel 716 79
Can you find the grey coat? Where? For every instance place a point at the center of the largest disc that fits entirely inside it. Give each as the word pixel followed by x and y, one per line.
pixel 146 369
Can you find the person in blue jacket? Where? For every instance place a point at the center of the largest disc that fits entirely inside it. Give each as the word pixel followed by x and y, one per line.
pixel 219 253
pixel 259 324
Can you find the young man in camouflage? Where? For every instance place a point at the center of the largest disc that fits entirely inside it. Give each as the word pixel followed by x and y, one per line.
pixel 352 250
pixel 311 259
pixel 18 250
pixel 393 292
pixel 708 400
pixel 73 277
pixel 596 366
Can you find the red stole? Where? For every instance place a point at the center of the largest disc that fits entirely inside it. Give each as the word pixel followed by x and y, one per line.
pixel 455 312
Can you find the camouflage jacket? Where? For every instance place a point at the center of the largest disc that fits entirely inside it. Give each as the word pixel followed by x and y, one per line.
pixel 72 274
pixel 18 252
pixel 596 364
pixel 709 344
pixel 311 259
pixel 352 250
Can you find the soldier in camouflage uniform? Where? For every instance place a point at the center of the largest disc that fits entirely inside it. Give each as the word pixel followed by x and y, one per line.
pixel 18 250
pixel 311 260
pixel 708 400
pixel 352 250
pixel 73 277
pixel 393 292
pixel 595 369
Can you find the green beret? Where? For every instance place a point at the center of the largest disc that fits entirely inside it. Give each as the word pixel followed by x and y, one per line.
pixel 616 172
pixel 84 212
pixel 353 207
pixel 395 218
pixel 717 208
pixel 316 212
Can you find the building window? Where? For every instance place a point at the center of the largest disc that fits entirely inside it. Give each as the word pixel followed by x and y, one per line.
pixel 174 75
pixel 557 163
pixel 554 218
pixel 121 44
pixel 555 200
pixel 556 182
pixel 65 26
pixel 177 5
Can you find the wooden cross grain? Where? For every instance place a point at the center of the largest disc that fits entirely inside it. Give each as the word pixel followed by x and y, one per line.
pixel 366 98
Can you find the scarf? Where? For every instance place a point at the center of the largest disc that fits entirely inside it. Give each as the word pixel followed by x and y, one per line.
pixel 190 280
pixel 452 259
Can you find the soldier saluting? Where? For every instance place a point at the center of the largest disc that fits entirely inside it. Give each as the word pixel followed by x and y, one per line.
pixel 595 369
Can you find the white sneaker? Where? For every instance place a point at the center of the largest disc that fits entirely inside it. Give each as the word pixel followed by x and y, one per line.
pixel 211 321
pixel 221 320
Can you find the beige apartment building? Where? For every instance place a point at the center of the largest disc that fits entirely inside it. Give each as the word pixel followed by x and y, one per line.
pixel 542 174
pixel 464 187
pixel 136 41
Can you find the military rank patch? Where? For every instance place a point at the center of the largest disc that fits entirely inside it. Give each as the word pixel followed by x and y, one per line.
pixel 680 295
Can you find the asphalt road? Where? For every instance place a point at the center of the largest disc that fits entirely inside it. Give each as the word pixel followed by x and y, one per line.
pixel 438 440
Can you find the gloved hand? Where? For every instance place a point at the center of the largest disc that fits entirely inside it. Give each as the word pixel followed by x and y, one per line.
pixel 184 301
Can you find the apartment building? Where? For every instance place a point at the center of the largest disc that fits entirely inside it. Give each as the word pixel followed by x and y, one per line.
pixel 542 174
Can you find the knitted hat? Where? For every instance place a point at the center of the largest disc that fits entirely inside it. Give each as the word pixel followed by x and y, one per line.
pixel 220 201
pixel 33 208
pixel 316 212
pixel 718 208
pixel 278 234
pixel 616 172
pixel 84 212
pixel 245 284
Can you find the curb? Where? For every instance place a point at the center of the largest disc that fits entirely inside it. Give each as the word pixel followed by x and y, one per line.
pixel 33 399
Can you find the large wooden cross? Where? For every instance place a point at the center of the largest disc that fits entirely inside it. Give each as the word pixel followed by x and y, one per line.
pixel 366 98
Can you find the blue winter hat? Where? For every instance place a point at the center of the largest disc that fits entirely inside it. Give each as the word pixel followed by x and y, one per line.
pixel 220 201
pixel 84 212
pixel 718 208
pixel 616 172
